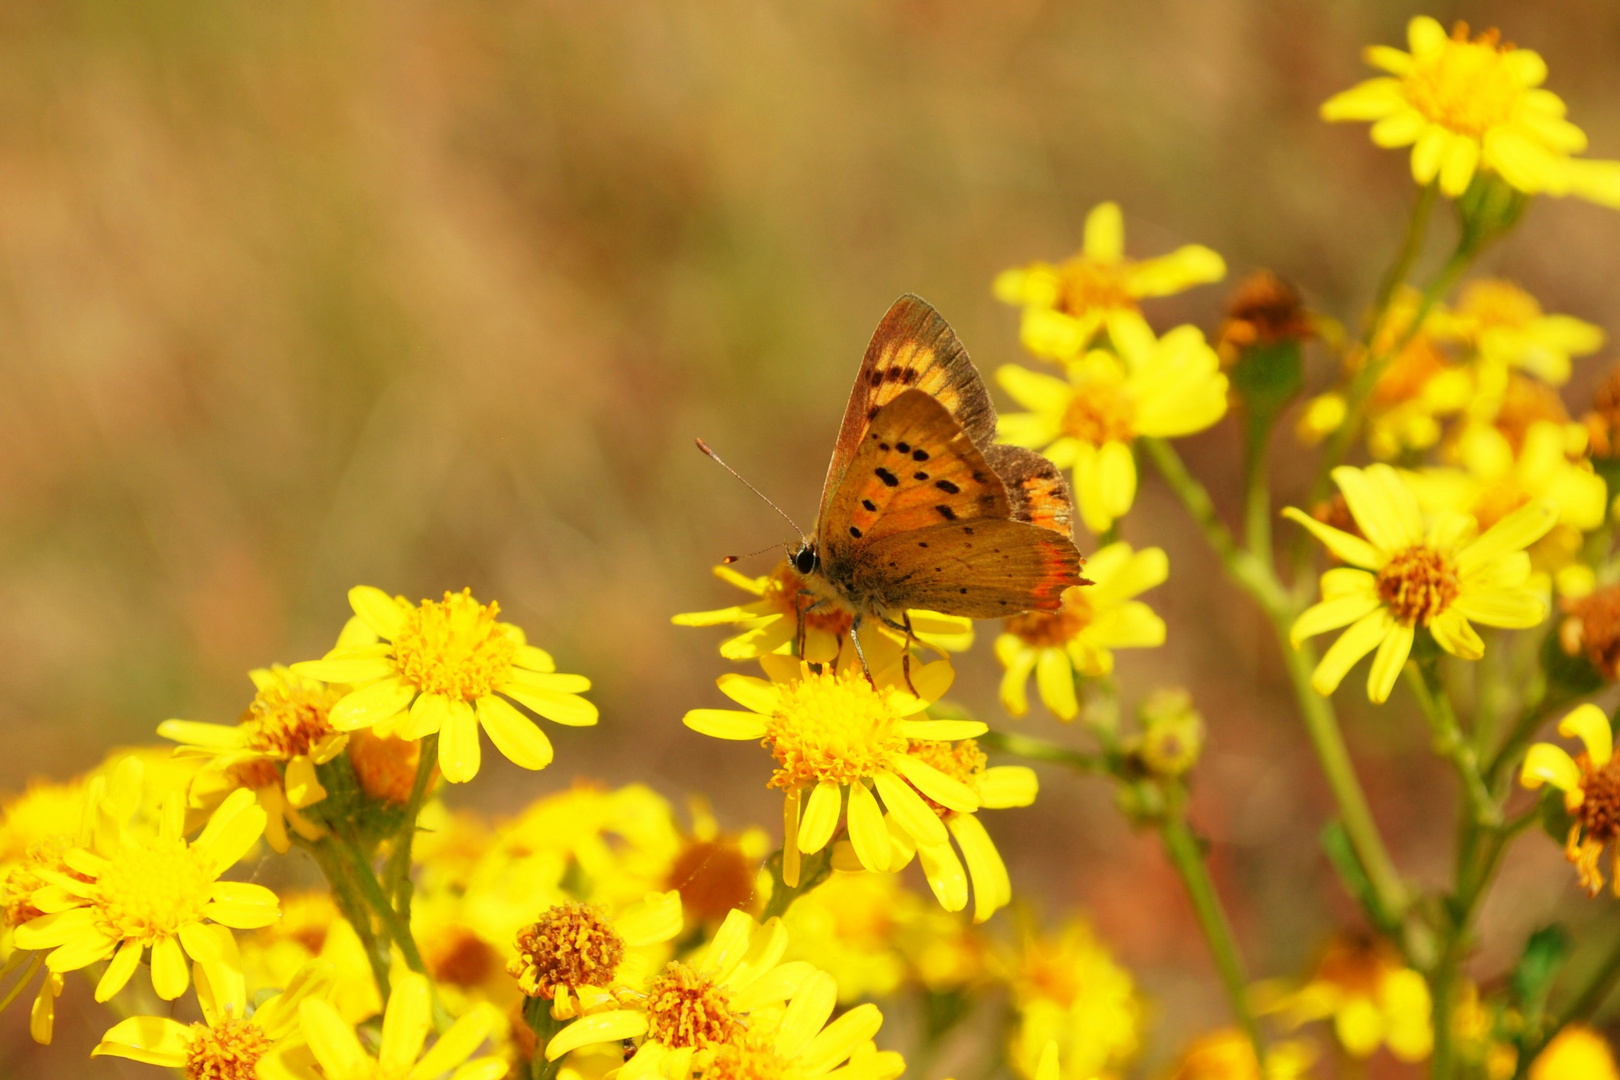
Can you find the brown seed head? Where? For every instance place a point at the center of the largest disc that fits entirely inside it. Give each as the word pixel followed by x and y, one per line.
pixel 571 945
pixel 1603 422
pixel 230 1050
pixel 1418 584
pixel 713 877
pixel 1263 310
pixel 685 1009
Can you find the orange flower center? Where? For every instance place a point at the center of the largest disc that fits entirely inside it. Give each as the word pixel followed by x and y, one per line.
pixel 285 720
pixel 685 1009
pixel 571 945
pixel 1417 584
pixel 962 761
pixel 1050 629
pixel 228 1051
pixel 1594 626
pixel 149 891
pixel 457 956
pixel 1092 286
pixel 1467 86
pixel 1599 812
pixel 455 647
pixel 713 878
pixel 1098 413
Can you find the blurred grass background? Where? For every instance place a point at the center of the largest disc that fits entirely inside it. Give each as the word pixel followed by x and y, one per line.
pixel 424 295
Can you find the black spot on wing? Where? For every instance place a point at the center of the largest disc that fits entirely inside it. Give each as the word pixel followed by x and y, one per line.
pixel 919 455
pixel 946 512
pixel 886 476
pixel 904 448
pixel 853 531
pixel 946 486
pixel 919 475
pixel 871 507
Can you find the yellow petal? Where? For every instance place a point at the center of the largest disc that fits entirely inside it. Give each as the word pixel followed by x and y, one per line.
pixel 726 724
pixel 1515 532
pixel 514 734
pixel 1549 764
pixel 992 888
pixel 1382 505
pixel 867 832
pixel 118 973
pixel 233 829
pixel 1105 233
pixel 357 670
pixel 169 975
pixel 908 809
pixel 1003 786
pixel 372 704
pixel 1512 608
pixel 805 1015
pixel 1019 660
pixel 405 1026
pixel 751 693
pixel 839 1039
pixel 154 1040
pixel 1054 678
pixel 1362 638
pixel 459 753
pixel 821 813
pixel 1329 615
pixel 1352 549
pixel 946 790
pixel 381 612
pixel 656 918
pixel 456 1045
pixel 332 1041
pixel 1387 663
pixel 1454 634
pixel 945 875
pixel 1187 266
pixel 1372 99
pixel 569 709
pixel 1591 726
pixel 943 730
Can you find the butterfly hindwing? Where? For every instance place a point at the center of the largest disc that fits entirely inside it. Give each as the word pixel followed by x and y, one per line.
pixel 915 468
pixel 985 569
pixel 913 348
pixel 1036 489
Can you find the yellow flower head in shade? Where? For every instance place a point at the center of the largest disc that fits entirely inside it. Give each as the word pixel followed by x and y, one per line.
pixel 407 1021
pixel 231 1043
pixel 716 871
pixel 1081 636
pixel 1372 998
pixel 1068 989
pixel 1591 787
pixel 1467 105
pixel 1228 1054
pixel 273 751
pixel 1506 327
pixel 131 892
pixel 1403 575
pixel 849 926
pixel 578 952
pixel 1576 1053
pixel 1067 305
pixel 448 666
pixel 312 930
pixel 771 622
pixel 1166 387
pixel 691 1010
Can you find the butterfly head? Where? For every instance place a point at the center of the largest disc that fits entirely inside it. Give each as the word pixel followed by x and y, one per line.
pixel 805 559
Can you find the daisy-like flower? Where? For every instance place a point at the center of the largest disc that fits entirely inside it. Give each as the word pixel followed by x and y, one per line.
pixel 448 666
pixel 1372 998
pixel 995 788
pixel 1403 576
pixel 689 1010
pixel 1067 988
pixel 408 1019
pixel 578 955
pixel 231 1043
pixel 273 751
pixel 1467 105
pixel 771 622
pixel 1506 327
pixel 831 732
pixel 798 1043
pixel 1576 1053
pixel 130 893
pixel 1591 787
pixel 1067 305
pixel 1228 1054
pixel 1167 387
pixel 1081 636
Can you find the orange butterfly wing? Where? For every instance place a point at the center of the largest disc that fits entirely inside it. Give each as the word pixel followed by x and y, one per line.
pixel 986 569
pixel 913 348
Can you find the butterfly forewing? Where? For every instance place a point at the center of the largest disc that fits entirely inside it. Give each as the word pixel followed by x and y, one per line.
pixel 913 348
pixel 985 569
pixel 915 468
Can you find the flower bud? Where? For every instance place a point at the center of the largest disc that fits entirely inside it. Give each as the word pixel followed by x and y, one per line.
pixel 1172 732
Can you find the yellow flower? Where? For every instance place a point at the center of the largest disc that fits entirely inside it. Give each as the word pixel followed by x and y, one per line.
pixel 273 751
pixel 1576 1053
pixel 40 827
pixel 1065 306
pixel 580 953
pixel 771 622
pixel 312 929
pixel 1169 386
pixel 798 1043
pixel 1591 787
pixel 1468 105
pixel 130 893
pixel 849 927
pixel 1403 576
pixel 1506 327
pixel 832 732
pixel 690 1010
pixel 1079 638
pixel 231 1043
pixel 715 871
pixel 1228 1054
pixel 1372 998
pixel 406 1023
pixel 442 667
pixel 1067 988
pixel 615 844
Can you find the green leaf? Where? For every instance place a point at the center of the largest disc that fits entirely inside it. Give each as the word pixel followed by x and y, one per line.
pixel 1554 817
pixel 1544 955
pixel 1568 677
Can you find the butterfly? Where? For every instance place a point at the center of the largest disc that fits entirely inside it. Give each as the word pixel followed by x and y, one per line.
pixel 921 507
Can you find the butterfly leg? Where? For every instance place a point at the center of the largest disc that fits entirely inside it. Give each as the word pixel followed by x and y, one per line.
pixel 855 639
pixel 905 656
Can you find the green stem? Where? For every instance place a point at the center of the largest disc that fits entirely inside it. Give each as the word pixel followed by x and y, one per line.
pixel 1524 729
pixel 1187 856
pixel 397 874
pixel 1040 750
pixel 1257 578
pixel 813 870
pixel 1449 742
pixel 345 894
pixel 371 891
pixel 537 1014
pixel 1417 226
pixel 1257 494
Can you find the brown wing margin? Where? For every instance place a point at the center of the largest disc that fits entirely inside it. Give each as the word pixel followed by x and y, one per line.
pixel 912 348
pixel 1036 490
pixel 985 569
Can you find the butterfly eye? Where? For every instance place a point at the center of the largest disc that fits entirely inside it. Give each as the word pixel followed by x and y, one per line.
pixel 804 560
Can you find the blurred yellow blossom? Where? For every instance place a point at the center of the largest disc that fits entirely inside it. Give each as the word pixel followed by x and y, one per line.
pixel 1576 1053
pixel 1372 998
pixel 1591 787
pixel 443 667
pixel 1228 1054
pixel 1505 327
pixel 1160 387
pixel 1079 638
pixel 1405 573
pixel 407 1022
pixel 1066 987
pixel 1065 306
pixel 1473 104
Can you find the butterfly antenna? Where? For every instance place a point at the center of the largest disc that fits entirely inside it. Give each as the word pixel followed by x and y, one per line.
pixel 703 446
